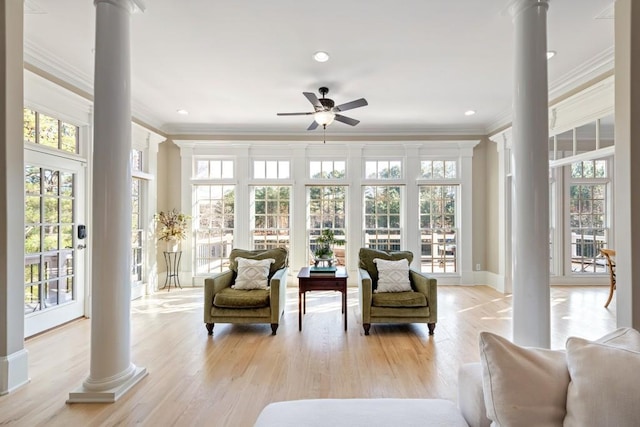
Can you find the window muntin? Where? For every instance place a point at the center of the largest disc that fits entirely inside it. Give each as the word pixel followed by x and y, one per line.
pixel 214 169
pixel 383 169
pixel 271 169
pixel 438 169
pixel 270 208
pixel 382 217
pixel 438 231
pixel 50 132
pixel 214 226
pixel 49 276
pixel 327 209
pixel 327 169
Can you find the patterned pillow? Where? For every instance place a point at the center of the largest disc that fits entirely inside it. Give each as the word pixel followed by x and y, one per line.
pixel 393 276
pixel 253 273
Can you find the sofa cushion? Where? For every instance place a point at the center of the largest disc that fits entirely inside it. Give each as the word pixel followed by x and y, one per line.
pixel 522 384
pixel 367 255
pixel 280 255
pixel 252 273
pixel 604 383
pixel 361 413
pixel 399 299
pixel 235 298
pixel 393 276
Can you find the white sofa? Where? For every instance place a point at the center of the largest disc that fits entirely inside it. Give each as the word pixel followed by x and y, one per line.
pixel 591 383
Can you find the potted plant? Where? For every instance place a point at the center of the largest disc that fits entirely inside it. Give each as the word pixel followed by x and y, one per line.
pixel 172 228
pixel 325 243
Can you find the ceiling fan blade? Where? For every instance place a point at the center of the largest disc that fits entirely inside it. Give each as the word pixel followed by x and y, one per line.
pixel 313 125
pixel 350 105
pixel 295 114
pixel 313 99
pixel 347 120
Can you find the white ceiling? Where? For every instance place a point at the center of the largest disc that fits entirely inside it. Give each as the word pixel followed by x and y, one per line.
pixel 235 64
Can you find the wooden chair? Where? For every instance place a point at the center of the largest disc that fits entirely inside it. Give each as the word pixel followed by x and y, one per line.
pixel 609 254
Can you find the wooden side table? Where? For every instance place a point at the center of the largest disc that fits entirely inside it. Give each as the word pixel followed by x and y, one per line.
pixel 307 283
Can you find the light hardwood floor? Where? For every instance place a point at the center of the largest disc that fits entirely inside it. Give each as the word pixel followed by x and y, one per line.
pixel 227 379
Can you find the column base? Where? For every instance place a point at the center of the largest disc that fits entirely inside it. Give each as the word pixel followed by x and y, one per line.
pixel 14 371
pixel 82 395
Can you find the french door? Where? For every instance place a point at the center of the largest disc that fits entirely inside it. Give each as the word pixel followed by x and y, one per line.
pixel 55 241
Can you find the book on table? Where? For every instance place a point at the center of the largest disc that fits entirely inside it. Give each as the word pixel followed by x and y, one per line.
pixel 322 271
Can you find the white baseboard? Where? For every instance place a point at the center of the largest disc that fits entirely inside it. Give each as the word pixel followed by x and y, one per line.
pixel 14 371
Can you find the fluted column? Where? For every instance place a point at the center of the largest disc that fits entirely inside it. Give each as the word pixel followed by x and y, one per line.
pixel 13 356
pixel 111 372
pixel 531 295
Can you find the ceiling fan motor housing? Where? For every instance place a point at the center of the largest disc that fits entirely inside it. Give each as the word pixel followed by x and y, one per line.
pixel 327 103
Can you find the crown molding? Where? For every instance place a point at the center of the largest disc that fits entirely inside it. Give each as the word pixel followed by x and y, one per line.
pixel 590 72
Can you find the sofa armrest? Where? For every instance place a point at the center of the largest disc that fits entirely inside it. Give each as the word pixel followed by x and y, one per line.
pixel 428 286
pixel 278 297
pixel 213 285
pixel 365 291
pixel 470 396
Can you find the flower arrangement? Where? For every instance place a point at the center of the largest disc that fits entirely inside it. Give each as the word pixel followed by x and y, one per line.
pixel 172 225
pixel 325 242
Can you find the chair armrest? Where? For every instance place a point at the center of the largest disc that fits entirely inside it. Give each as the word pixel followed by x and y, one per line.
pixel 365 291
pixel 278 296
pixel 470 395
pixel 428 286
pixel 213 285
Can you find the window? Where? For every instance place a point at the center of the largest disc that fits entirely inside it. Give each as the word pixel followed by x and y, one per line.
pixel 214 227
pixel 271 213
pixel 588 215
pixel 382 213
pixel 438 228
pixel 383 169
pixel 137 230
pixel 327 209
pixel 50 132
pixel 271 169
pixel 438 169
pixel 49 277
pixel 327 169
pixel 214 169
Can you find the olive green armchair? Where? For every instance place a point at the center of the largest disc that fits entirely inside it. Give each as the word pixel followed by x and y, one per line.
pixel 418 305
pixel 224 304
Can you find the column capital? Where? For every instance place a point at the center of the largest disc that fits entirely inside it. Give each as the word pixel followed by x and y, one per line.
pixel 517 6
pixel 128 5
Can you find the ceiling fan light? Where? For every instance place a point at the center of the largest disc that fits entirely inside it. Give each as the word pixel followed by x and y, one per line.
pixel 324 117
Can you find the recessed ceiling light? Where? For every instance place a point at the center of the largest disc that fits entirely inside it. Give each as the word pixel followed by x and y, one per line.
pixel 551 54
pixel 182 112
pixel 321 56
pixel 469 112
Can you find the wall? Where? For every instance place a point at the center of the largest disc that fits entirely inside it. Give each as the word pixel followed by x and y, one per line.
pixel 492 243
pixel 479 206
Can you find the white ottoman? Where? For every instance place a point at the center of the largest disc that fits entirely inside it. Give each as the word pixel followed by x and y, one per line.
pixel 361 413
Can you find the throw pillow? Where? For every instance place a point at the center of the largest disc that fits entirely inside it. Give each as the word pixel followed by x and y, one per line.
pixel 604 383
pixel 367 255
pixel 521 385
pixel 393 276
pixel 252 273
pixel 280 255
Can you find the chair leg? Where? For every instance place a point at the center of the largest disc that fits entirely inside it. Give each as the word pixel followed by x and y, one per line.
pixel 432 327
pixel 209 328
pixel 611 289
pixel 366 327
pixel 274 328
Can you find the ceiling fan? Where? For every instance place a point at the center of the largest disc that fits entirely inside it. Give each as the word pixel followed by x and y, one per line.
pixel 326 111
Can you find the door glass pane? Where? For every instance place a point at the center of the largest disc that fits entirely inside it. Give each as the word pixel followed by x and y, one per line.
pixel 49 277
